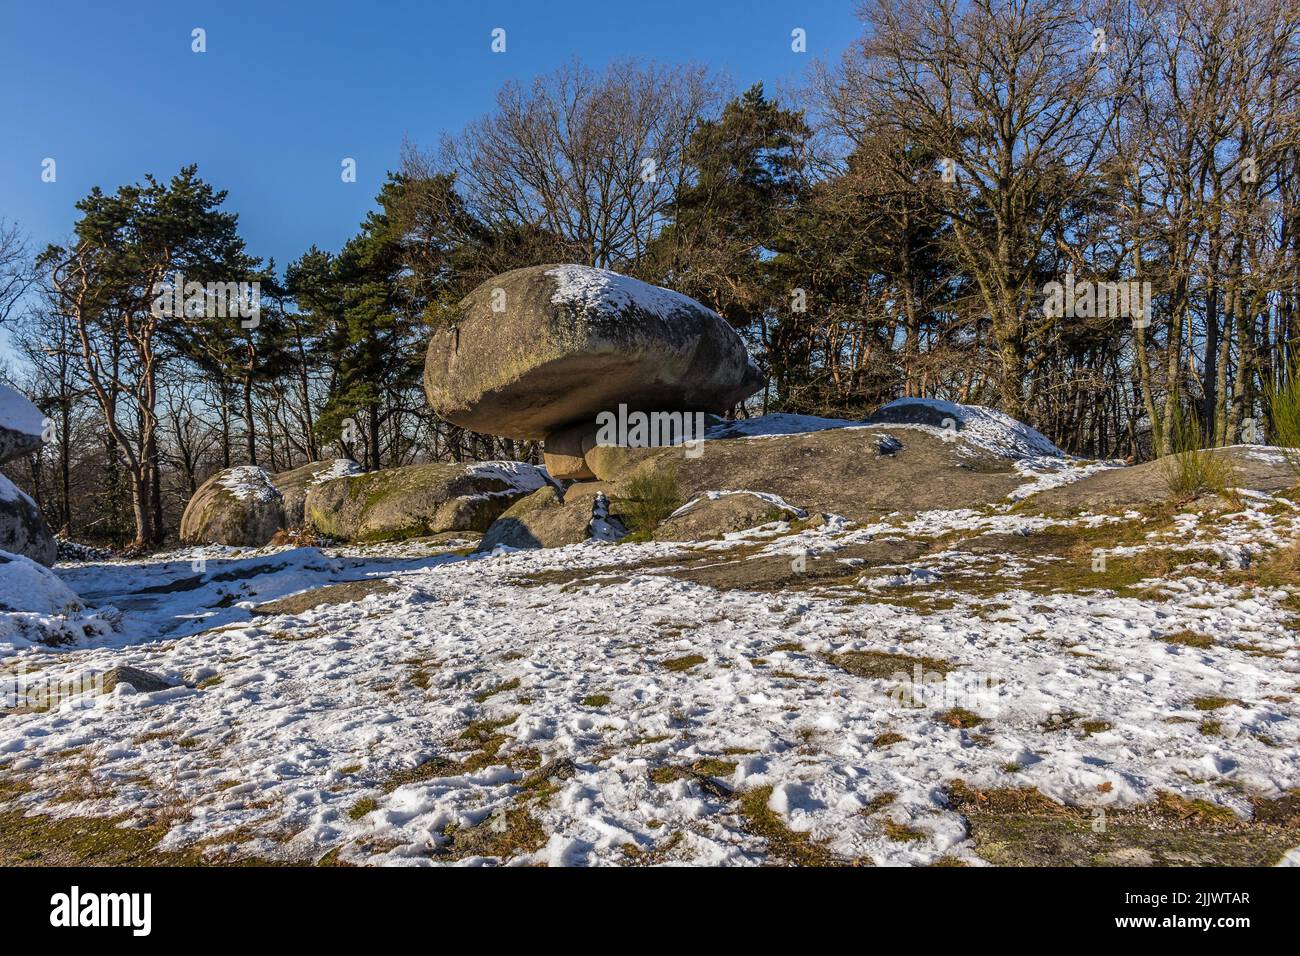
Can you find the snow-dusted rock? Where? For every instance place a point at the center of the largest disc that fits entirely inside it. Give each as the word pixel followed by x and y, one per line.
pixel 851 468
pixel 987 428
pixel 539 348
pixel 237 506
pixel 21 425
pixel 124 675
pixel 549 518
pixel 718 513
pixel 295 484
pixel 22 527
pixel 419 500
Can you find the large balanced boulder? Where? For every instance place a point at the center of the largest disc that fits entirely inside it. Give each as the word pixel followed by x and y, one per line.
pixel 537 349
pixel 418 501
pixel 237 506
pixel 21 425
pixel 22 527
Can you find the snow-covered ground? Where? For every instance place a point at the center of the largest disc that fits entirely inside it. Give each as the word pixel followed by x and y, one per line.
pixel 594 704
pixel 290 733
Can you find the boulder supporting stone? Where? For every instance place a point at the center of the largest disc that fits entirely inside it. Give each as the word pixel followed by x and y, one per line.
pixel 565 452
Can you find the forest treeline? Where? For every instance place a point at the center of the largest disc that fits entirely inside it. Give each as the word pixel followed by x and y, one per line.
pixel 893 228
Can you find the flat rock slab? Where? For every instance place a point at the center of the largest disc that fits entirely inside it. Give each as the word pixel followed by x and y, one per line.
pixel 837 471
pixel 1255 467
pixel 535 349
pixel 345 592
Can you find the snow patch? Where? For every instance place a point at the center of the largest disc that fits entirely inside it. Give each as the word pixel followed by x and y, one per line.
pixel 589 288
pixel 521 477
pixel 339 468
pixel 986 428
pixel 250 483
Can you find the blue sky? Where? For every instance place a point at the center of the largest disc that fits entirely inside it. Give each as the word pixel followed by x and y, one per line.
pixel 285 91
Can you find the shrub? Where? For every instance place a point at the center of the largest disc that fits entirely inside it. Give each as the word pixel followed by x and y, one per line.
pixel 1283 398
pixel 649 498
pixel 1192 469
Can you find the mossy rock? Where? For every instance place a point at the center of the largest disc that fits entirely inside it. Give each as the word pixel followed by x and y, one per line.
pixel 417 500
pixel 548 518
pixel 240 507
pixel 295 483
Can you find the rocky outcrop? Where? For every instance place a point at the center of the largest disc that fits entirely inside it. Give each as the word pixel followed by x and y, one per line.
pixel 718 514
pixel 240 507
pixel 858 472
pixel 245 506
pixel 549 518
pixel 1253 467
pixel 541 348
pixel 293 485
pixel 22 527
pixel 418 500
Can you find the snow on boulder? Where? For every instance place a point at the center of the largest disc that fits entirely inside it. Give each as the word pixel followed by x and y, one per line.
pixel 985 428
pixel 716 514
pixel 22 526
pixel 293 485
pixel 237 506
pixel 540 348
pixel 417 501
pixel 21 425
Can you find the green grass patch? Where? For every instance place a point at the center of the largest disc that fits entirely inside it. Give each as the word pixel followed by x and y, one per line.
pixel 1188 639
pixel 648 498
pixel 783 844
pixel 362 807
pixel 512 684
pixel 679 664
